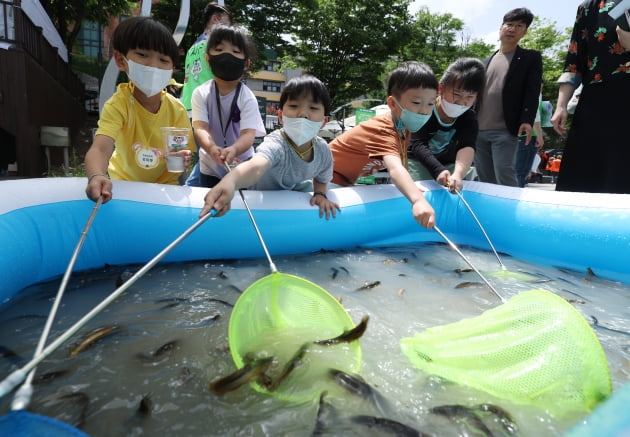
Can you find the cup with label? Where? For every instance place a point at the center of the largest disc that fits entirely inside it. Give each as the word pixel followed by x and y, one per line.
pixel 175 143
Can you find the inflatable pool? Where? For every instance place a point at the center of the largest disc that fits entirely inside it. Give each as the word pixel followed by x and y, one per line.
pixel 41 220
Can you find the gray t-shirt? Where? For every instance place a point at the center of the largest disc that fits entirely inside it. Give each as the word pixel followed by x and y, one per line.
pixel 491 114
pixel 287 169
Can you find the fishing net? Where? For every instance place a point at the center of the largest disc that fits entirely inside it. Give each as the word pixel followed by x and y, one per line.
pixel 276 317
pixel 535 349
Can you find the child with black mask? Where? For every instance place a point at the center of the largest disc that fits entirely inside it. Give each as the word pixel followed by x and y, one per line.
pixel 225 113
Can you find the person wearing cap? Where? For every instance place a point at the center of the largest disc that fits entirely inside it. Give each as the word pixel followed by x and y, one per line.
pixel 196 68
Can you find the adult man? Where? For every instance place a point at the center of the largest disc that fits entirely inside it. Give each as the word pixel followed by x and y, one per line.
pixel 510 101
pixel 197 70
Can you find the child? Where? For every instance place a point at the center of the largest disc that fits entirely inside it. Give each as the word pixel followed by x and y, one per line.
pixel 381 142
pixel 445 147
pixel 287 156
pixel 225 112
pixel 128 143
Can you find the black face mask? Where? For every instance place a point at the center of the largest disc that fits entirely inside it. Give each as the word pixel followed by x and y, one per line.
pixel 226 66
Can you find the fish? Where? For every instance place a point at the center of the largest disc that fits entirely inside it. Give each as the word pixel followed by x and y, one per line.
pixel 596 324
pixel 335 272
pixel 159 352
pixel 221 301
pixel 469 284
pixel 68 407
pixel 465 417
pixel 10 355
pixel 349 335
pixel 294 362
pixel 47 377
pixel 320 421
pixel 504 418
pixel 146 405
pixel 356 385
pixel 250 372
pixel 368 285
pixel 460 271
pixel 384 425
pixel 91 338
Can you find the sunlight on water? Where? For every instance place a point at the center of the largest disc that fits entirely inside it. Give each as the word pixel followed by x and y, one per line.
pixel 172 343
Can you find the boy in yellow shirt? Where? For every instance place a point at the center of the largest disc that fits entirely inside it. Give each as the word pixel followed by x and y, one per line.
pixel 128 144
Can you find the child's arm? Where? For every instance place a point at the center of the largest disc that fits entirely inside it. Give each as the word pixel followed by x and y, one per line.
pixel 244 142
pixel 320 199
pixel 422 211
pixel 205 140
pixel 96 162
pixel 242 176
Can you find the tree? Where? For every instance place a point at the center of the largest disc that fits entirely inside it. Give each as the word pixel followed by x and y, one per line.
pixel 346 43
pixel 68 15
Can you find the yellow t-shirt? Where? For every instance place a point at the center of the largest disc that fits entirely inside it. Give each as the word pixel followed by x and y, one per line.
pixel 138 153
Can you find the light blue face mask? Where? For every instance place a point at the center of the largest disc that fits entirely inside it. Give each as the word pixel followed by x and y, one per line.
pixel 412 121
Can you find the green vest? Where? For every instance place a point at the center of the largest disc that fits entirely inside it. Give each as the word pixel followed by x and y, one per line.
pixel 196 71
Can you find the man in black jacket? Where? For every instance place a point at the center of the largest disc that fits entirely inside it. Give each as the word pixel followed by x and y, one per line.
pixel 510 101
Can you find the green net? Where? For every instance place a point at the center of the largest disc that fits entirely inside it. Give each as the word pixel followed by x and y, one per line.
pixel 276 317
pixel 535 349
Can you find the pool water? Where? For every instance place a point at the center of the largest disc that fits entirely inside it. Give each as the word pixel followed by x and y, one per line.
pixel 151 374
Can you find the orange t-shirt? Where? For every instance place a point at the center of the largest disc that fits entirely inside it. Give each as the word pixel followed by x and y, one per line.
pixel 360 151
pixel 555 165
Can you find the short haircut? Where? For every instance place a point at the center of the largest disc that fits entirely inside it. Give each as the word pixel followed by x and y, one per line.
pixel 468 74
pixel 214 8
pixel 519 14
pixel 304 85
pixel 144 33
pixel 410 74
pixel 236 35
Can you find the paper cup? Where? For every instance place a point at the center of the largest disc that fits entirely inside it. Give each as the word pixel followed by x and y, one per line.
pixel 175 141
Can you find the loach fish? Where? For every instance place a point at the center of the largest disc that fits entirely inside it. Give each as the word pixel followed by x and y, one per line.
pixel 383 425
pixel 349 335
pixel 356 385
pixel 94 336
pixel 368 285
pixel 146 405
pixel 465 417
pixel 250 372
pixel 597 325
pixel 159 352
pixel 47 377
pixel 221 301
pixel 469 285
pixel 10 355
pixel 294 362
pixel 504 418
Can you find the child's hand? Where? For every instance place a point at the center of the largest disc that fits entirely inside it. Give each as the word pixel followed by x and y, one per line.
pixel 423 213
pixel 326 206
pixel 99 185
pixel 218 199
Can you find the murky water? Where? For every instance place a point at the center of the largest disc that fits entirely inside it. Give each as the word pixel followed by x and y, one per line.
pixel 187 306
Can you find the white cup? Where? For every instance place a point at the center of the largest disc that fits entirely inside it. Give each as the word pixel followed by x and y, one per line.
pixel 175 142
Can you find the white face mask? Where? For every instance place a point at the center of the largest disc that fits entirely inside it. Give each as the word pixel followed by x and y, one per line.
pixel 301 130
pixel 149 80
pixel 453 110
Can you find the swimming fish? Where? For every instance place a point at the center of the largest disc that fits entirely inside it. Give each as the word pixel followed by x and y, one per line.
pixel 347 336
pixel 221 301
pixel 250 372
pixel 91 338
pixel 10 354
pixel 468 284
pixel 368 285
pixel 159 352
pixel 356 385
pixel 294 362
pixel 146 405
pixel 504 418
pixel 384 425
pixel 320 421
pixel 47 377
pixel 596 324
pixel 464 417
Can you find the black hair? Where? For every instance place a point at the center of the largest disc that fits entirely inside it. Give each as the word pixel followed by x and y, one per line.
pixel 519 14
pixel 468 74
pixel 410 74
pixel 306 84
pixel 214 8
pixel 236 35
pixel 144 33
